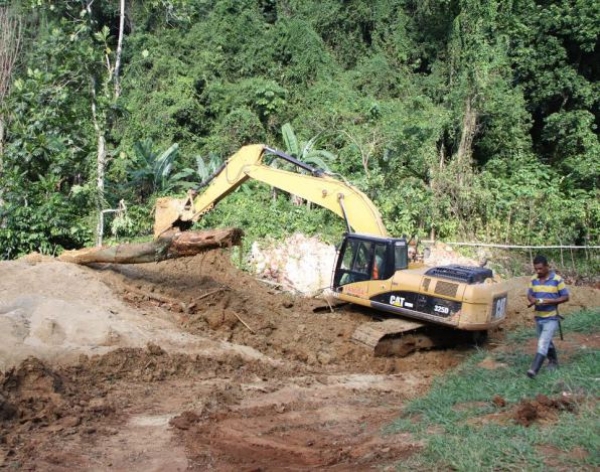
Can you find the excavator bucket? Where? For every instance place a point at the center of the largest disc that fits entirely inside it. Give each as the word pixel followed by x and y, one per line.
pixel 169 211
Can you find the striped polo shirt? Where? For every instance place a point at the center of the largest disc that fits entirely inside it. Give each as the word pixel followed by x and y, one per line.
pixel 552 287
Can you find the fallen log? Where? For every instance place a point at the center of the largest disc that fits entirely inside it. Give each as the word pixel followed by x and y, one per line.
pixel 168 246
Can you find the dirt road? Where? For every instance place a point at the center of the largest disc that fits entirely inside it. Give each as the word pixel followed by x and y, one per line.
pixel 193 365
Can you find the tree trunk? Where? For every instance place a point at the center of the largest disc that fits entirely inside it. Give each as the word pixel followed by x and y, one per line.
pixel 169 246
pixel 469 130
pixel 10 45
pixel 1 141
pixel 119 51
pixel 100 165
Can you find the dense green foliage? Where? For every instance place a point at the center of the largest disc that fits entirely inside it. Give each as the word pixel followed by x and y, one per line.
pixel 463 118
pixel 464 429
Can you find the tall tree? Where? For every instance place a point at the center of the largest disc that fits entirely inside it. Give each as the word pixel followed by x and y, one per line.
pixel 106 90
pixel 10 43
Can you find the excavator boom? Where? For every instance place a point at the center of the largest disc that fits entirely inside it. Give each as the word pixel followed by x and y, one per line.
pixel 247 163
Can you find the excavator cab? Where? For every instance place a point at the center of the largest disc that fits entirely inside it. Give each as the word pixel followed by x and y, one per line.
pixel 363 257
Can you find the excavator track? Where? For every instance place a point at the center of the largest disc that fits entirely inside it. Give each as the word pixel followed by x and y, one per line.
pixel 373 335
pixel 399 338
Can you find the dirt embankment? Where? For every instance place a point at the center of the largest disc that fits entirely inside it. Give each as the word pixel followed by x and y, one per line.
pixel 191 364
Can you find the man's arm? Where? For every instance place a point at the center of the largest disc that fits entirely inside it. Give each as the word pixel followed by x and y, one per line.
pixel 530 296
pixel 554 301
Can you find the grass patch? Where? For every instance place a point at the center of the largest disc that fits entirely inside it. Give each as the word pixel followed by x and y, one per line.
pixel 584 321
pixel 470 421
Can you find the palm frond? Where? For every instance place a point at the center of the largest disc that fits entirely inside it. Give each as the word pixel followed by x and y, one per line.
pixel 290 140
pixel 319 159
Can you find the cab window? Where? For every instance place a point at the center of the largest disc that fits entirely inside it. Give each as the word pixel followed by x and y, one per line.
pixel 400 255
pixel 362 258
pixel 379 266
pixel 349 254
pixel 356 262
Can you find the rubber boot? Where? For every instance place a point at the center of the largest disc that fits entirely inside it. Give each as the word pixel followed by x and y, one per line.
pixel 538 360
pixel 552 359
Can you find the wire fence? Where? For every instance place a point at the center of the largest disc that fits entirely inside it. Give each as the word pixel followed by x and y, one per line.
pixel 510 246
pixel 576 259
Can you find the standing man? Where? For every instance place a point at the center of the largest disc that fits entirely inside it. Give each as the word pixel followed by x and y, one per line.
pixel 546 291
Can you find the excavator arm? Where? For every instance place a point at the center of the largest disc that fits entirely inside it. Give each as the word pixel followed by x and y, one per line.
pixel 343 199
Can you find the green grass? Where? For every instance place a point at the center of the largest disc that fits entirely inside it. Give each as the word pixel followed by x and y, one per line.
pixel 451 418
pixel 585 321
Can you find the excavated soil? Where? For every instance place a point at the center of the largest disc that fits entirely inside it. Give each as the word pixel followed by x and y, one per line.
pixel 191 364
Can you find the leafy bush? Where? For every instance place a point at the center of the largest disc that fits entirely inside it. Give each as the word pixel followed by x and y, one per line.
pixel 47 228
pixel 253 208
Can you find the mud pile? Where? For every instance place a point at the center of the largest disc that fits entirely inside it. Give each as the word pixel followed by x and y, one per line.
pixel 207 296
pixel 42 405
pixel 57 311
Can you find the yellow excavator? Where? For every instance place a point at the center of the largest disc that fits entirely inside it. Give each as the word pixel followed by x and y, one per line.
pixel 417 307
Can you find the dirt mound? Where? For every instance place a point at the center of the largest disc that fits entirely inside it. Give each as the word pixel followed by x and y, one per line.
pixel 207 296
pixel 154 364
pixel 542 409
pixel 33 392
pixel 38 401
pixel 42 406
pixel 57 311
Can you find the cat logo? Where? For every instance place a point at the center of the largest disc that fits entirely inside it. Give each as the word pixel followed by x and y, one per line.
pixel 397 301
